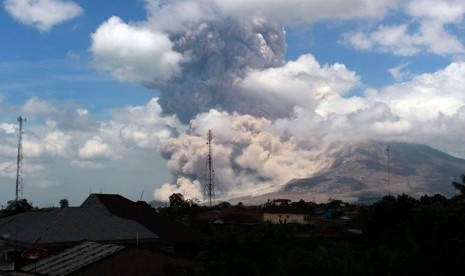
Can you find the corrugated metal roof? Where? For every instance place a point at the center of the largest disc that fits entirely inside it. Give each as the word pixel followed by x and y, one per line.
pixel 71 225
pixel 72 259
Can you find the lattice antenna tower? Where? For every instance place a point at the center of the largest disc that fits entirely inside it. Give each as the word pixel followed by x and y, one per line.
pixel 209 187
pixel 388 170
pixel 19 165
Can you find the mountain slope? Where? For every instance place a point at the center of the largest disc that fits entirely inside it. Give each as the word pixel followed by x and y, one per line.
pixel 359 171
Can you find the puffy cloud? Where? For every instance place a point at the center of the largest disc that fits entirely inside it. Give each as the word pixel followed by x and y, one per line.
pixel 400 73
pixel 189 189
pixel 177 16
pixel 42 14
pixel 302 83
pixel 134 53
pixel 441 11
pixel 427 31
pixel 38 107
pixel 86 164
pixel 95 148
pixel 145 126
pixel 301 11
pixel 427 96
pixel 7 128
pixel 66 117
pixel 51 144
pixel 387 39
pixel 438 40
pixel 195 65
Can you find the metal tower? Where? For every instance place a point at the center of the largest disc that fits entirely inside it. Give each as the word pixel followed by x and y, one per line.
pixel 209 187
pixel 19 165
pixel 388 171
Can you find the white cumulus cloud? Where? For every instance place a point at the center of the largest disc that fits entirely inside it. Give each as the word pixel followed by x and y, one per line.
pixel 427 31
pixel 134 53
pixel 144 126
pixel 302 11
pixel 302 82
pixel 95 148
pixel 42 14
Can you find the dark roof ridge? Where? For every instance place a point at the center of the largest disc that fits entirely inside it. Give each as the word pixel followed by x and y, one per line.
pixel 163 226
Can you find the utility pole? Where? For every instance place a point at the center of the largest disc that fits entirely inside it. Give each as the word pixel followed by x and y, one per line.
pixel 209 187
pixel 19 165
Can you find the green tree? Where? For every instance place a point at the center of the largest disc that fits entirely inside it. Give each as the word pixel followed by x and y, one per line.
pixel 17 206
pixel 224 205
pixel 177 201
pixel 64 203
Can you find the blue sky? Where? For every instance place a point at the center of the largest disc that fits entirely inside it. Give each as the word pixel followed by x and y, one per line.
pixel 56 64
pixel 117 93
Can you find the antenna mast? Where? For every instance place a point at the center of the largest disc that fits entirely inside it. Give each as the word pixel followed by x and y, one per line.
pixel 19 165
pixel 209 188
pixel 388 171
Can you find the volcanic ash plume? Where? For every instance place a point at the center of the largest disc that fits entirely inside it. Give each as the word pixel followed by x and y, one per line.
pixel 250 156
pixel 234 80
pixel 219 66
pixel 217 54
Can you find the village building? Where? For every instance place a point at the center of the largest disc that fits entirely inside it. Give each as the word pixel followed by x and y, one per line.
pixel 104 223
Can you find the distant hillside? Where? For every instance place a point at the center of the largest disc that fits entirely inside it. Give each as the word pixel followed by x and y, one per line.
pixel 359 172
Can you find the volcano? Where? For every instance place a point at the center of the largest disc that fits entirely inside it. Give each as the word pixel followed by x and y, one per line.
pixel 366 171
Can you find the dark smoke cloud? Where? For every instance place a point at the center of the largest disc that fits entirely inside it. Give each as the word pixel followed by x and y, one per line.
pixel 217 54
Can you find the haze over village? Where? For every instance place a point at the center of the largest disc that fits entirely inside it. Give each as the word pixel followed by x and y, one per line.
pixel 119 97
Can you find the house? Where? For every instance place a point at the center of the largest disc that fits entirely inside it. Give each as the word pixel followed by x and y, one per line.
pixel 102 218
pixel 71 259
pixel 92 258
pixel 287 214
pixel 68 226
pixel 177 235
pixel 7 256
pixel 281 201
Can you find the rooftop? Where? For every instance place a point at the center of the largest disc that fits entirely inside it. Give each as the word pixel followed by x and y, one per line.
pixel 163 226
pixel 70 225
